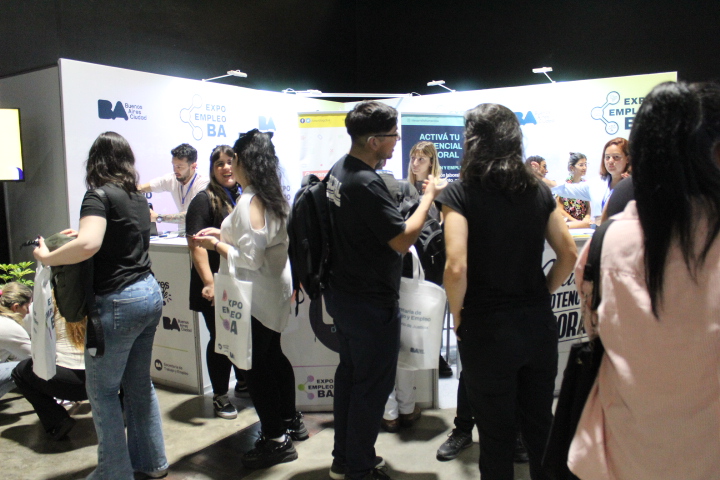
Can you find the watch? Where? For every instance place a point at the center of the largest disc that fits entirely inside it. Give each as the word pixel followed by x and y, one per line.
pixel 159 219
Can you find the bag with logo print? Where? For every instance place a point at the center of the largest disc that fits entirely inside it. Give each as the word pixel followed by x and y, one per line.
pixel 233 298
pixel 42 343
pixel 422 309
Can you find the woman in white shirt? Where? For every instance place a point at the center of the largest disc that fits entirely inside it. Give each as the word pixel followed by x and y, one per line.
pixel 14 339
pixel 614 167
pixel 254 235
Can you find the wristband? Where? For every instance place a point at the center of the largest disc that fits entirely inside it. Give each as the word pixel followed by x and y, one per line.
pixel 215 245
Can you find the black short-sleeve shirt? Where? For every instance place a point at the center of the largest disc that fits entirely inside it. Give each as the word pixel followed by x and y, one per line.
pixel 364 218
pixel 506 240
pixel 123 258
pixel 200 215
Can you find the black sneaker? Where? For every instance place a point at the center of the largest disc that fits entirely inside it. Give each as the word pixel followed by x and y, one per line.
pixel 241 389
pixel 269 452
pixel 377 474
pixel 223 407
pixel 61 430
pixel 338 470
pixel 444 369
pixel 456 442
pixel 296 428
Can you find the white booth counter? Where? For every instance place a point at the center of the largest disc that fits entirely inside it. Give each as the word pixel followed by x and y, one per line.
pixel 308 341
pixel 179 348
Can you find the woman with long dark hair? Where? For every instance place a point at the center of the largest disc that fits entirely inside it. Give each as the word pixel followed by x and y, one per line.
pixel 129 303
pixel 255 235
pixel 498 293
pixel 654 409
pixel 207 210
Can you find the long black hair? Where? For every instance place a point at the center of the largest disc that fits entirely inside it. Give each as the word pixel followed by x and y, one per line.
pixel 494 151
pixel 111 160
pixel 674 144
pixel 256 153
pixel 219 200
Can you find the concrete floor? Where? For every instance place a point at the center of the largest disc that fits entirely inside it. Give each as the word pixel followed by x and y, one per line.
pixel 201 446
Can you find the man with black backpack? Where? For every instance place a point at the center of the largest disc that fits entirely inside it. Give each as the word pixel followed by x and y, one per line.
pixel 367 240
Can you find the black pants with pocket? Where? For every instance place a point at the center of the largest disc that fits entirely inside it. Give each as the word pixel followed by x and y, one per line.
pixel 509 364
pixel 67 384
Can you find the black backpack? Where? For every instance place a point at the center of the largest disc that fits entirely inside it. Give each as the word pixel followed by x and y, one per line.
pixel 309 235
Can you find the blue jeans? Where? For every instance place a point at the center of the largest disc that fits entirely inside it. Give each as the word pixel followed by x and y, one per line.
pixel 129 318
pixel 6 382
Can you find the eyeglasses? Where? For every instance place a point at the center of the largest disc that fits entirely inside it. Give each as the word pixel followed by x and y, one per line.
pixel 387 135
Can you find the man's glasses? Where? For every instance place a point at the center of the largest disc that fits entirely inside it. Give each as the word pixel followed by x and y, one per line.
pixel 387 135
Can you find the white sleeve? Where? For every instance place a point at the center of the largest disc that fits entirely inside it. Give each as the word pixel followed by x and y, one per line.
pixel 15 340
pixel 166 183
pixel 581 191
pixel 247 246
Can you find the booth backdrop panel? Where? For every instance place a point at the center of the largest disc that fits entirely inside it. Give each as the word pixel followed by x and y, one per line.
pixel 445 131
pixel 323 140
pixel 155 113
pixel 177 353
pixel 39 205
pixel 556 118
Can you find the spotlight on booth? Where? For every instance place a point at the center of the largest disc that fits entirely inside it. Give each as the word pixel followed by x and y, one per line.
pixel 439 83
pixel 544 70
pixel 230 73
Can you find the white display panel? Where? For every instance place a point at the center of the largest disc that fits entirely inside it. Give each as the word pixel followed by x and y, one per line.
pixel 156 113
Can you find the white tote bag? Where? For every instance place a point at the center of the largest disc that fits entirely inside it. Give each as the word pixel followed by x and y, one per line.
pixel 42 342
pixel 232 316
pixel 422 309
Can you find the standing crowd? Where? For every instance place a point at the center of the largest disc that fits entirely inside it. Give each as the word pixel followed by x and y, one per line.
pixel 653 411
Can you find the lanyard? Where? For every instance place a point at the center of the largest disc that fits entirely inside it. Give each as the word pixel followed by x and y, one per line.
pixel 230 196
pixel 606 197
pixel 183 197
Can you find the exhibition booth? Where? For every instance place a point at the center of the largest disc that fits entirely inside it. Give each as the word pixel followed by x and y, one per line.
pixel 64 108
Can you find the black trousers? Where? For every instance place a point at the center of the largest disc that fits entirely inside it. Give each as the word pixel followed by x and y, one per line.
pixel 219 365
pixel 369 342
pixel 271 381
pixel 509 366
pixel 67 384
pixel 463 417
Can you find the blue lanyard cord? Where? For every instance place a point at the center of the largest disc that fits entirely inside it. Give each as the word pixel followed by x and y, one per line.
pixel 230 195
pixel 183 197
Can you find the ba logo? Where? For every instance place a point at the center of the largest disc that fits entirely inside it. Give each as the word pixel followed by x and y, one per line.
pixel 266 123
pixel 171 324
pixel 158 365
pixel 107 112
pixel 526 119
pixel 417 350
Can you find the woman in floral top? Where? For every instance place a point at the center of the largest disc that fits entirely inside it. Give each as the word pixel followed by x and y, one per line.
pixel 576 212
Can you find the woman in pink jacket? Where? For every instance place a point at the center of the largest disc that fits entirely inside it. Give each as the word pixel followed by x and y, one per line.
pixel 654 411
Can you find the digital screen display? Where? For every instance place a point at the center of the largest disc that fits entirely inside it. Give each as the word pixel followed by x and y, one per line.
pixel 11 159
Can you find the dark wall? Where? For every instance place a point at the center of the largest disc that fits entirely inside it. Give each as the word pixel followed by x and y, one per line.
pixel 368 45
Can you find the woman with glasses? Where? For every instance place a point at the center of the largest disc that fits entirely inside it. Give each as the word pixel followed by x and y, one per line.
pixel 255 235
pixel 576 212
pixel 615 166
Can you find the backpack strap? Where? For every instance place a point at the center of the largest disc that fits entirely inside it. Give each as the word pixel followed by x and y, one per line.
pixel 95 337
pixel 592 266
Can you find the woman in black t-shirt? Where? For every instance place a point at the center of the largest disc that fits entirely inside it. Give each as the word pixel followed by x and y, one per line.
pixel 115 233
pixel 208 209
pixel 498 293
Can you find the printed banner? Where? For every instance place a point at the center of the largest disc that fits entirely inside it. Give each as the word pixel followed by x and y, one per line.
pixel 445 131
pixel 323 140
